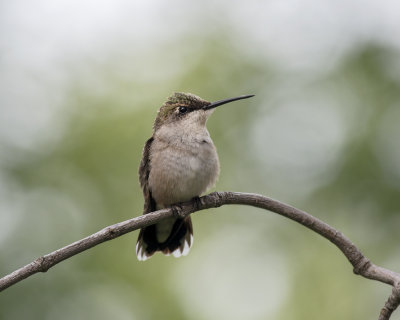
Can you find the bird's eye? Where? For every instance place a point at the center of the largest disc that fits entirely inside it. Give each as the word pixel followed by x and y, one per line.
pixel 182 110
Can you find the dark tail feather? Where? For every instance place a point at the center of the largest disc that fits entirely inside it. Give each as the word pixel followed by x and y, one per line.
pixel 178 242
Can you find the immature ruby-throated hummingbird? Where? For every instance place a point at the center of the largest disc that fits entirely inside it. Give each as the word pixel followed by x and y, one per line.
pixel 179 163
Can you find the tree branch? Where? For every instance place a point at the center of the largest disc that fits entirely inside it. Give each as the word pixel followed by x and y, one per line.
pixel 361 265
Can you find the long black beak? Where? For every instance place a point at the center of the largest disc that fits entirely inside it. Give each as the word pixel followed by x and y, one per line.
pixel 221 102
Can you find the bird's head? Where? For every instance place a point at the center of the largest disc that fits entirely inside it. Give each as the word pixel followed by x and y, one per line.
pixel 186 109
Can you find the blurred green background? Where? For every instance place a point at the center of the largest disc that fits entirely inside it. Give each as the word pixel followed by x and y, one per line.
pixel 81 83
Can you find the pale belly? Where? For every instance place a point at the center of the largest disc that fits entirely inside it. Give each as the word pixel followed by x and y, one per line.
pixel 177 176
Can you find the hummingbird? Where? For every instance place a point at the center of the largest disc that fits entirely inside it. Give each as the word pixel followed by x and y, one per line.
pixel 179 163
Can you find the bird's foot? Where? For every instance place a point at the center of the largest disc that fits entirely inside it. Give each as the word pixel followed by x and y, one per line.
pixel 177 211
pixel 197 202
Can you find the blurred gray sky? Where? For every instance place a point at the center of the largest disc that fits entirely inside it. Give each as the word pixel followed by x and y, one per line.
pixel 41 40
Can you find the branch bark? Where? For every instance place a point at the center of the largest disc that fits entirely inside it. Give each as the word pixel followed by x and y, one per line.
pixel 361 265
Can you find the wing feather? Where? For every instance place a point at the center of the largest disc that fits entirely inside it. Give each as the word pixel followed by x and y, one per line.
pixel 144 172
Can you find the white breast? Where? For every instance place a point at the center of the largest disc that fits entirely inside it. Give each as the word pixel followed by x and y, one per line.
pixel 182 167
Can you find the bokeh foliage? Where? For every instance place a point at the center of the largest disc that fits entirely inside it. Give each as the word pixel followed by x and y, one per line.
pixel 245 263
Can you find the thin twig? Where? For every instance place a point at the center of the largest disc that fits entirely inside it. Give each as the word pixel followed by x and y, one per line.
pixel 391 304
pixel 361 265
